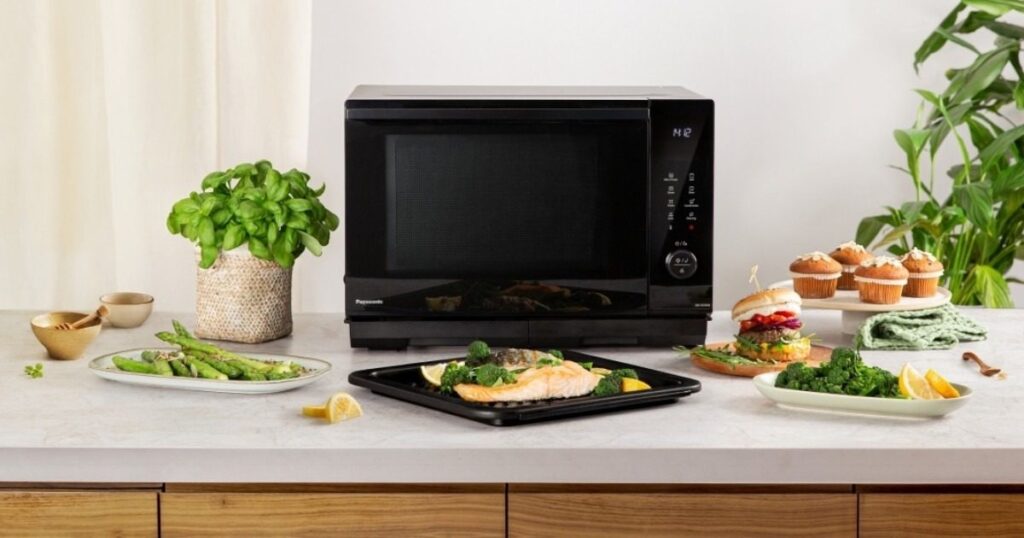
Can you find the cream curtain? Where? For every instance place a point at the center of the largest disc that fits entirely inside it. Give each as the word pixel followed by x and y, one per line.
pixel 110 110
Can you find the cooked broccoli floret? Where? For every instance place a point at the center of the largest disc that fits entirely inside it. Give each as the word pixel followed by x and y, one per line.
pixel 612 383
pixel 556 353
pixel 492 374
pixel 454 374
pixel 844 373
pixel 478 350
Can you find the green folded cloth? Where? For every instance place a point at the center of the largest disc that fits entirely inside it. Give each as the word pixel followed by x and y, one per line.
pixel 935 328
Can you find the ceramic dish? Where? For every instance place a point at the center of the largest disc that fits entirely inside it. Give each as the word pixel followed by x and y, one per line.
pixel 104 367
pixel 64 345
pixel 127 309
pixel 865 405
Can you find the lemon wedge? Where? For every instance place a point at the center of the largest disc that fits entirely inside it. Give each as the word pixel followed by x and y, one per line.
pixel 342 406
pixel 600 371
pixel 913 385
pixel 432 373
pixel 941 384
pixel 315 411
pixel 633 385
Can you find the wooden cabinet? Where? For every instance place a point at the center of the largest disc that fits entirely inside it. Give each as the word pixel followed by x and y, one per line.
pixel 126 514
pixel 655 511
pixel 896 515
pixel 324 510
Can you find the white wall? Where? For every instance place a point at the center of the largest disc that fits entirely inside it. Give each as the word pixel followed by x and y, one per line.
pixel 807 92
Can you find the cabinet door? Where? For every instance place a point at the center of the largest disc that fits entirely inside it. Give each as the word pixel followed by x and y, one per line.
pixel 78 513
pixel 894 515
pixel 668 514
pixel 387 512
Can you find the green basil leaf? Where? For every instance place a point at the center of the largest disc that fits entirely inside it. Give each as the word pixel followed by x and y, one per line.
pixel 221 216
pixel 173 224
pixel 234 236
pixel 210 203
pixel 299 204
pixel 186 205
pixel 208 256
pixel 258 248
pixel 272 233
pixel 252 228
pixel 249 210
pixel 273 185
pixel 207 236
pixel 298 221
pixel 317 193
pixel 282 254
pixel 291 239
pixel 273 207
pixel 311 244
pixel 332 220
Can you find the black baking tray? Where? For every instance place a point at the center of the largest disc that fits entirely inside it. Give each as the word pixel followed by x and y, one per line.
pixel 406 383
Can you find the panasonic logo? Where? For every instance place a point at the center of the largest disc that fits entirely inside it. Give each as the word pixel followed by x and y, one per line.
pixel 369 301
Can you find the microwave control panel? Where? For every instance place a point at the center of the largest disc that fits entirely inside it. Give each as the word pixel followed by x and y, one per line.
pixel 681 202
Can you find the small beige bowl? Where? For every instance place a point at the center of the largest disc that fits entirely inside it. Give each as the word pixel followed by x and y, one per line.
pixel 127 309
pixel 64 345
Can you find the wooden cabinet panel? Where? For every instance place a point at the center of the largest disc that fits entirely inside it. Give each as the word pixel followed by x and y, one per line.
pixel 657 514
pixel 895 515
pixel 78 513
pixel 333 514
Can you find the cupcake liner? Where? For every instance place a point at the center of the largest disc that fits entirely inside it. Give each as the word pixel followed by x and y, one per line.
pixel 813 288
pixel 874 293
pixel 921 287
pixel 846 282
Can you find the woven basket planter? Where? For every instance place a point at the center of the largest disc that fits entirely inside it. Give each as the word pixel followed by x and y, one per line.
pixel 242 298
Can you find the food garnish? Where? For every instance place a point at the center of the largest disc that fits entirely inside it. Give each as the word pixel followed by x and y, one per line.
pixel 941 384
pixel 633 385
pixel 914 385
pixel 432 373
pixel 339 407
pixel 35 371
pixel 612 383
pixel 204 360
pixel 844 373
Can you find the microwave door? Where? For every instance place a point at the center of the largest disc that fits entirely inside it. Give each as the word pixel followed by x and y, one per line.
pixel 497 212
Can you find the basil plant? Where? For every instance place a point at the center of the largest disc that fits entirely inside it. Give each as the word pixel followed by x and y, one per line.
pixel 278 215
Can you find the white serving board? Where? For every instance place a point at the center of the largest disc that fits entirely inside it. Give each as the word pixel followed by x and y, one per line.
pixel 849 300
pixel 104 367
pixel 865 405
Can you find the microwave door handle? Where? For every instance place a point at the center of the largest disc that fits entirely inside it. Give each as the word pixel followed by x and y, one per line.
pixel 497 114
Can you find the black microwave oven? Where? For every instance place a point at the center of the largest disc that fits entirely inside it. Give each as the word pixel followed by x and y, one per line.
pixel 528 216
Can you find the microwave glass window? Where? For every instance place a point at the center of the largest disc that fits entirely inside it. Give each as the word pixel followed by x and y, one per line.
pixel 537 204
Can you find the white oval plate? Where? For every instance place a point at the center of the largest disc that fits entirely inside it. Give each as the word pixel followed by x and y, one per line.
pixel 842 403
pixel 104 367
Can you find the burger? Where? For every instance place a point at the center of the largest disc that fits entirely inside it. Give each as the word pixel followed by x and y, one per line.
pixel 770 327
pixel 769 336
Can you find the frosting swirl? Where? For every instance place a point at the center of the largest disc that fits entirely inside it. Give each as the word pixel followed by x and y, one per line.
pixel 851 245
pixel 917 254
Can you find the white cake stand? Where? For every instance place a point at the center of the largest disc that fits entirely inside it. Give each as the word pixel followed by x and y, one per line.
pixel 855 313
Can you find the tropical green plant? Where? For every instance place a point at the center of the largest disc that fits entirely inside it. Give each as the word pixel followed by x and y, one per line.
pixel 977 230
pixel 277 215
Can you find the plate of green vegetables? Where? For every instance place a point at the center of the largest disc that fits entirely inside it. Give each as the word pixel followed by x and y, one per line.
pixel 193 364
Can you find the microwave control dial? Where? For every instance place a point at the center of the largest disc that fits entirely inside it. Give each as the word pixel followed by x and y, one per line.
pixel 681 264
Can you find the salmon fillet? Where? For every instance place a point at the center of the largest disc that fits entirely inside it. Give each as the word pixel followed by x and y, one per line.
pixel 566 380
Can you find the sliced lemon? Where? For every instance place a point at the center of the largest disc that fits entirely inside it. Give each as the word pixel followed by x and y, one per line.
pixel 315 411
pixel 432 373
pixel 633 385
pixel 941 384
pixel 914 385
pixel 600 371
pixel 342 406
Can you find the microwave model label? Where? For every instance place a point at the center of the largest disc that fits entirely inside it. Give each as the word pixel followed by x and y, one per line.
pixel 369 301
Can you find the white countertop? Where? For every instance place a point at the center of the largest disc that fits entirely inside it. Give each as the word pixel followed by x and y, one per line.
pixel 71 426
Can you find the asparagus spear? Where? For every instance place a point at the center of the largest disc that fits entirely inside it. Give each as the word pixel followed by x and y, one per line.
pixel 249 374
pixel 128 365
pixel 202 369
pixel 161 367
pixel 224 367
pixel 193 345
pixel 179 368
pixel 150 356
pixel 180 329
pixel 281 371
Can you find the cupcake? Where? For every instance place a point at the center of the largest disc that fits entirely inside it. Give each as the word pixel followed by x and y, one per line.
pixel 815 275
pixel 850 255
pixel 881 280
pixel 924 270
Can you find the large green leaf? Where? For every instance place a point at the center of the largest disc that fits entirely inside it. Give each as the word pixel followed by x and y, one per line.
pixel 989 287
pixel 1005 29
pixel 993 154
pixel 976 199
pixel 994 7
pixel 869 227
pixel 935 41
pixel 979 76
pixel 894 235
pixel 311 244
